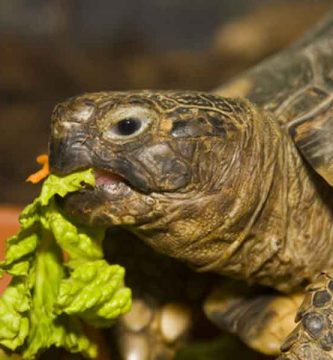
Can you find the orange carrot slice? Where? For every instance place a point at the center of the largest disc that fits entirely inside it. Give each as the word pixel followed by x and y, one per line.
pixel 43 172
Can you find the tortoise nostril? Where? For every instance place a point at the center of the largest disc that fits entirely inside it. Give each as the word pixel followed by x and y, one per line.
pixel 77 112
pixel 82 112
pixel 60 128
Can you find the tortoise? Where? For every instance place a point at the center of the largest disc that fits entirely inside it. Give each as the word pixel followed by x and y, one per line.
pixel 236 183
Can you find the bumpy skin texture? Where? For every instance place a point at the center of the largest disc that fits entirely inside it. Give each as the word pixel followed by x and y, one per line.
pixel 217 182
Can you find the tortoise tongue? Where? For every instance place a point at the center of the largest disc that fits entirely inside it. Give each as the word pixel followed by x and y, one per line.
pixel 104 177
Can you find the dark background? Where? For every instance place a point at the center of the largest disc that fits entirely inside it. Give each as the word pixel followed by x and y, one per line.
pixel 53 49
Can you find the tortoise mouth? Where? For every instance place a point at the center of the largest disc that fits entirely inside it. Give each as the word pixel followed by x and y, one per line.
pixel 107 178
pixel 111 183
pixel 122 171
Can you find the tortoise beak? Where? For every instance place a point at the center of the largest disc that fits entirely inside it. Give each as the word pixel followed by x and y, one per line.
pixel 68 154
pixel 69 146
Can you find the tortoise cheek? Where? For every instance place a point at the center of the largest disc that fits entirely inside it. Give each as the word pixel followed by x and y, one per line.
pixel 166 168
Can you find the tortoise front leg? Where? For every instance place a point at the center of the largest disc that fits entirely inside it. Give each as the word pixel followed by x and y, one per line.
pixel 312 339
pixel 262 321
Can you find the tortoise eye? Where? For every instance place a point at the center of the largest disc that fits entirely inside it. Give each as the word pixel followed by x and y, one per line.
pixel 126 123
pixel 127 127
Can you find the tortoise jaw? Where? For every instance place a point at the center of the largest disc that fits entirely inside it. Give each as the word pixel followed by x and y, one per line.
pixel 111 202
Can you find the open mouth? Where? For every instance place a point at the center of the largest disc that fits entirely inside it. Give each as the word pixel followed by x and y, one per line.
pixel 107 178
pixel 111 183
pixel 110 180
pixel 116 186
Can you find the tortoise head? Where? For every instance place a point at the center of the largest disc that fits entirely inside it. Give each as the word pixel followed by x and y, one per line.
pixel 176 168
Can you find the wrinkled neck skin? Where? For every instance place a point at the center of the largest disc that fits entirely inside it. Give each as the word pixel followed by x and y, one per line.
pixel 258 220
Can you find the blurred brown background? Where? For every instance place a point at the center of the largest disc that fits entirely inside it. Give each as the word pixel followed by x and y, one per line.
pixel 53 49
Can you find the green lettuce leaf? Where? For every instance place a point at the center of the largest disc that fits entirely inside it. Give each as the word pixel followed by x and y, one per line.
pixel 100 282
pixel 13 305
pixel 48 299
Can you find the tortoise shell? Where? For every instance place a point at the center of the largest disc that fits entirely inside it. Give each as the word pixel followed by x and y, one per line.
pixel 296 85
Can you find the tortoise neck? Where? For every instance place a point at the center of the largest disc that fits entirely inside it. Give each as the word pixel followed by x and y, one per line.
pixel 283 244
pixel 308 244
pixel 256 223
